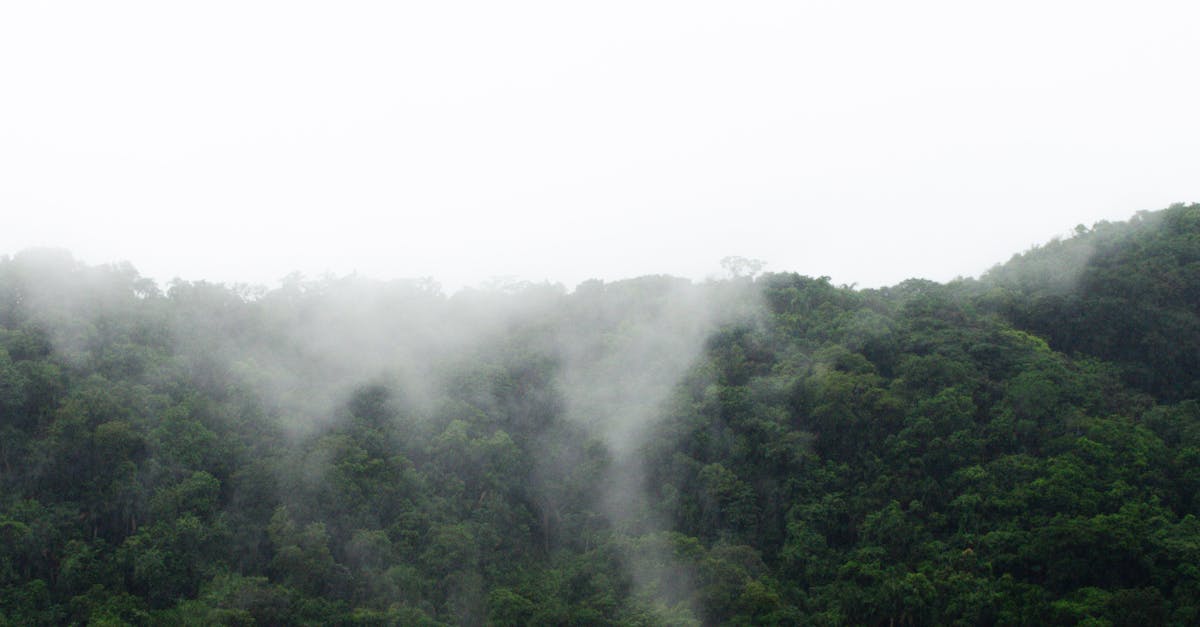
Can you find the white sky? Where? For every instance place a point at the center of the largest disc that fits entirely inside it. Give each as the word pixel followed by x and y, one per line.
pixel 868 141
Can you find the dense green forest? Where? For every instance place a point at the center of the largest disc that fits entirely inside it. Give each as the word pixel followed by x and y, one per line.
pixel 1018 448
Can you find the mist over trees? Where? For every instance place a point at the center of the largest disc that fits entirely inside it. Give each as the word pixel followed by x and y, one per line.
pixel 1021 448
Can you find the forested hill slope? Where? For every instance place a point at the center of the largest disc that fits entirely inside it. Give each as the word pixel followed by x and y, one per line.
pixel 1019 449
pixel 1126 292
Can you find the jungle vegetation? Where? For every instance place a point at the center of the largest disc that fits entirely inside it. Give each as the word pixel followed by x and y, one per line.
pixel 1017 448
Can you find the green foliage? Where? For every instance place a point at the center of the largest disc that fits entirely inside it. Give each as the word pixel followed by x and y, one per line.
pixel 1128 293
pixel 1021 449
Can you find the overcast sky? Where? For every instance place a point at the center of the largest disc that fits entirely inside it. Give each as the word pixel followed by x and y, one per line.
pixel 561 141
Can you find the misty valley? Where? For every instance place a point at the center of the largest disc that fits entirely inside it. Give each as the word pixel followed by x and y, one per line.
pixel 764 449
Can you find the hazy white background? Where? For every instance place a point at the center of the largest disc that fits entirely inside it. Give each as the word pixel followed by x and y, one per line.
pixel 868 141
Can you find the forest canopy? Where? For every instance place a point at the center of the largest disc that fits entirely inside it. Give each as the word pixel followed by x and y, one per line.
pixel 1018 448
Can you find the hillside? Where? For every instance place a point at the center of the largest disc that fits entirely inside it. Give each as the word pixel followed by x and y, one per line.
pixel 1128 293
pixel 1022 448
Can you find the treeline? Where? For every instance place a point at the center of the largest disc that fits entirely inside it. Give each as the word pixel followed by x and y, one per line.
pixel 1023 448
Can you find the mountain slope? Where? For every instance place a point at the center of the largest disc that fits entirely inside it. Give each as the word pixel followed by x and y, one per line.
pixel 1127 293
pixel 1018 449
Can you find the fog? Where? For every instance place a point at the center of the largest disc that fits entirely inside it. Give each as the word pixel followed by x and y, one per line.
pixel 615 355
